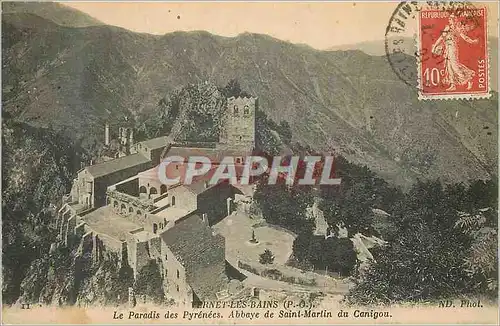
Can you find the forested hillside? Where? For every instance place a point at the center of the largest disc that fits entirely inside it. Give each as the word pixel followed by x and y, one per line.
pixel 38 167
pixel 441 240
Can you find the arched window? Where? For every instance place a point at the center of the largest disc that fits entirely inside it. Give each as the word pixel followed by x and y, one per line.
pixel 130 209
pixel 153 191
pixel 178 274
pixel 246 110
pixel 139 213
pixel 155 228
pixel 108 201
pixel 115 204
pixel 143 190
pixel 235 110
pixel 123 209
pixel 173 200
pixel 163 189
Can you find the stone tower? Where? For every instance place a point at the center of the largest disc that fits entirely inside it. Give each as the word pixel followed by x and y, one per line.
pixel 106 134
pixel 126 137
pixel 123 135
pixel 239 124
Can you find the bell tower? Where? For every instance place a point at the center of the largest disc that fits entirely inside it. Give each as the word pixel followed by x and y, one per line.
pixel 239 124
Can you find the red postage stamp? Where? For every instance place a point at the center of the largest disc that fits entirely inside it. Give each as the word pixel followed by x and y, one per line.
pixel 453 47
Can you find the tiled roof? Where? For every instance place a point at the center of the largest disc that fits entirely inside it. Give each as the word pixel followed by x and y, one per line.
pixel 186 152
pixel 216 155
pixel 200 252
pixel 155 143
pixel 116 165
pixel 202 183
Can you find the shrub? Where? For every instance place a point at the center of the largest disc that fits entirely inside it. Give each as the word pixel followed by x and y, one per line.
pixel 266 257
pixel 272 273
pixel 336 255
pixel 248 268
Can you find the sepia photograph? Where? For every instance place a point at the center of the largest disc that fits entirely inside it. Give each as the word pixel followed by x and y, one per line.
pixel 230 162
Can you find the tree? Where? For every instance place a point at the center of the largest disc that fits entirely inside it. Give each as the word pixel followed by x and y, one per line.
pixel 438 252
pixel 333 254
pixel 351 204
pixel 284 206
pixel 285 132
pixel 481 261
pixel 339 256
pixel 266 257
pixel 48 160
pixel 233 88
pixel 418 265
pixel 265 138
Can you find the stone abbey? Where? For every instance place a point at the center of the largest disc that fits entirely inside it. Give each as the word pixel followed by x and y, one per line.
pixel 121 206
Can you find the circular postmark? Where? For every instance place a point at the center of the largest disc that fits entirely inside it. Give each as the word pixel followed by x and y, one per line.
pixel 403 50
pixel 400 46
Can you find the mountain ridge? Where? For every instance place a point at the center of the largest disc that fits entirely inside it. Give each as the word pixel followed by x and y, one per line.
pixel 353 102
pixel 53 11
pixel 377 48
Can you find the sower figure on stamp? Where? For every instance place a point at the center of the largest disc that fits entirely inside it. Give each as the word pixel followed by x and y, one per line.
pixel 455 73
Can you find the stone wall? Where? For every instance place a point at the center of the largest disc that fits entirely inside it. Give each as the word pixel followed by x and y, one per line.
pixel 132 208
pixel 130 187
pixel 132 253
pixel 154 154
pixel 138 253
pixel 83 189
pixel 150 187
pixel 101 184
pixel 155 247
pixel 111 243
pixel 123 198
pixel 66 223
pixel 183 198
pixel 213 202
pixel 142 256
pixel 175 283
pixel 74 190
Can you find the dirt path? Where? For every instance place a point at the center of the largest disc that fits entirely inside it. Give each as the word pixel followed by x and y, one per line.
pixel 260 282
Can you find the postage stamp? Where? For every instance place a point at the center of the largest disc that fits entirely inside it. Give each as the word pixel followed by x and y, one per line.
pixel 453 48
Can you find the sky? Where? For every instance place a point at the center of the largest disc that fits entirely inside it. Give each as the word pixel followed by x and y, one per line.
pixel 318 24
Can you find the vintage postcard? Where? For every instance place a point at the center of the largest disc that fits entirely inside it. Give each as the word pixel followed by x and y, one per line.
pixel 249 162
